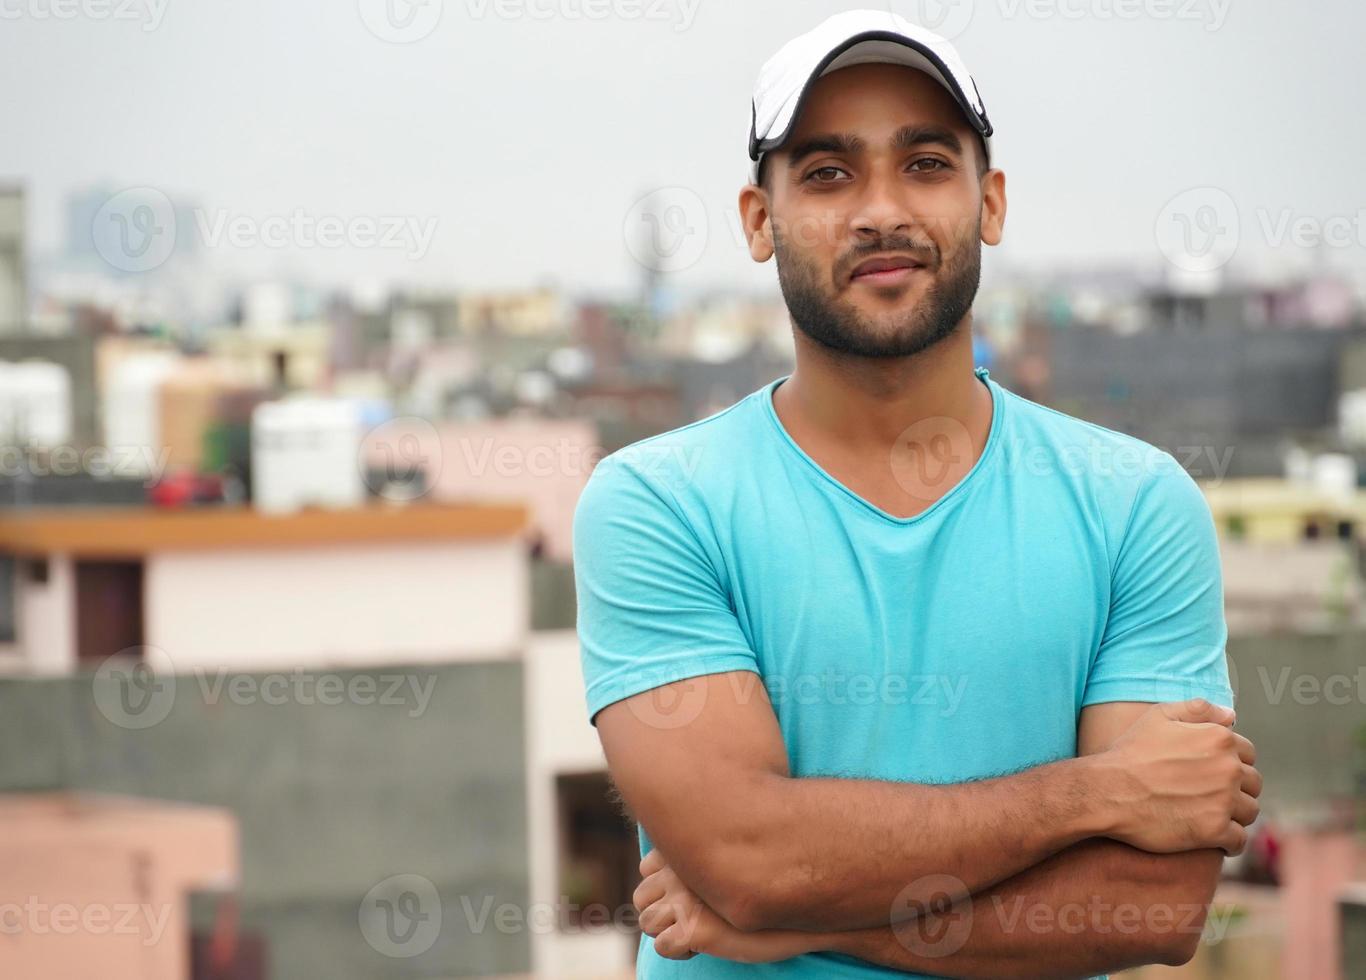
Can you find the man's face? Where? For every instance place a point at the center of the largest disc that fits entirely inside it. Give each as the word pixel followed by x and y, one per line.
pixel 875 209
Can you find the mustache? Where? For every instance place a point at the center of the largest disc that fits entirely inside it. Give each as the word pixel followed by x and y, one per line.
pixel 926 252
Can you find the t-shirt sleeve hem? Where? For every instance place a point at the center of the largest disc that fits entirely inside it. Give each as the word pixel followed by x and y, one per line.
pixel 610 690
pixel 1153 690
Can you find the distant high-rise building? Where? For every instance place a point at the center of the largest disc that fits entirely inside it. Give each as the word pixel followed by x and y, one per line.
pixel 132 230
pixel 13 293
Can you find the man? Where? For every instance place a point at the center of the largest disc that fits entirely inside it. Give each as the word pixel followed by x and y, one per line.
pixel 898 671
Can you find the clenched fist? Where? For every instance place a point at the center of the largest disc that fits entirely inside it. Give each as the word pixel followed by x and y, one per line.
pixel 1182 779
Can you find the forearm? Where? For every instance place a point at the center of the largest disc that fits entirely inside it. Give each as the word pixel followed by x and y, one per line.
pixel 828 854
pixel 1097 907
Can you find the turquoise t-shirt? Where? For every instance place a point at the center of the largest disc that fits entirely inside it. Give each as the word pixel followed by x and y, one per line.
pixel 1072 565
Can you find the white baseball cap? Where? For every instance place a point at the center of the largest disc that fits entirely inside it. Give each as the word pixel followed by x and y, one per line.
pixel 854 37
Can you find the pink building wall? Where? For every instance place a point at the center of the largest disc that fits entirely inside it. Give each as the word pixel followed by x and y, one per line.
pixel 541 462
pixel 97 886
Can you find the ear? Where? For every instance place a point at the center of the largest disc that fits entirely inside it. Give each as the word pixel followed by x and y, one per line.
pixel 993 207
pixel 754 219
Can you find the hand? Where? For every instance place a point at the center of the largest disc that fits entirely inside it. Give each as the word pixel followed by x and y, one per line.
pixel 1185 780
pixel 682 925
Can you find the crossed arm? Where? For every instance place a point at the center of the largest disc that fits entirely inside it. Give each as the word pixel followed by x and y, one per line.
pixel 762 866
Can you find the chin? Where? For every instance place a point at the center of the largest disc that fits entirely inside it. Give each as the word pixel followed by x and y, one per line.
pixel 888 319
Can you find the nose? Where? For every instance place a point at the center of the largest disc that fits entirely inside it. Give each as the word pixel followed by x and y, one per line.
pixel 882 209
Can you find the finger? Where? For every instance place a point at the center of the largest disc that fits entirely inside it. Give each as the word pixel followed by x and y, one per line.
pixel 1246 810
pixel 1235 839
pixel 652 862
pixel 649 891
pixel 1246 750
pixel 1198 710
pixel 658 917
pixel 672 945
pixel 1252 781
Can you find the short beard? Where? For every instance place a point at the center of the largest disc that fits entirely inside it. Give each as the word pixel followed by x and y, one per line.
pixel 842 329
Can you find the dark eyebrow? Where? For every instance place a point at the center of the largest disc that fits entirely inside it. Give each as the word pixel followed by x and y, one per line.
pixel 842 143
pixel 847 144
pixel 908 137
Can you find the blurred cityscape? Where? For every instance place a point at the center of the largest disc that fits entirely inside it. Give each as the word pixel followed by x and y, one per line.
pixel 287 610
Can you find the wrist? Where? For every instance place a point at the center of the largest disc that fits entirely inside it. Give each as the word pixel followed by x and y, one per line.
pixel 1095 785
pixel 769 946
pixel 889 946
pixel 859 943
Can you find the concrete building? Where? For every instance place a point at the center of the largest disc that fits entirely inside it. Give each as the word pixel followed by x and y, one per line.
pixel 1294 554
pixel 13 274
pixel 1239 394
pixel 284 357
pixel 93 226
pixel 100 885
pixel 484 782
pixel 543 463
pixel 567 789
pixel 75 353
pixel 342 782
pixel 229 588
pixel 535 312
pixel 1286 931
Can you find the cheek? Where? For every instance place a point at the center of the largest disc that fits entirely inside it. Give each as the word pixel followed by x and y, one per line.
pixel 813 261
pixel 814 232
pixel 955 226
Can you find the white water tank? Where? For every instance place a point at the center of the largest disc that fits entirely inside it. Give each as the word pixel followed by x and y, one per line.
pixel 132 410
pixel 35 404
pixel 1352 417
pixel 306 452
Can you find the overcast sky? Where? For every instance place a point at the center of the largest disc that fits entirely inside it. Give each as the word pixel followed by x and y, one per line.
pixel 521 133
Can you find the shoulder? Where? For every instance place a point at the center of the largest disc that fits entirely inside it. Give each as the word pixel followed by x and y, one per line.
pixel 677 464
pixel 667 480
pixel 1132 485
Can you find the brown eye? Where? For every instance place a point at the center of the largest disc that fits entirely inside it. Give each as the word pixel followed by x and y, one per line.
pixel 936 165
pixel 830 173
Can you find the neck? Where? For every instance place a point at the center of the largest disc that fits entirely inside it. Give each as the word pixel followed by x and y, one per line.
pixel 864 404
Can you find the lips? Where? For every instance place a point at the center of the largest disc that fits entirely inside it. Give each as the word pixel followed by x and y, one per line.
pixel 882 265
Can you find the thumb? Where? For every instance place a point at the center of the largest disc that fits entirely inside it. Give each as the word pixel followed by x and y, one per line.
pixel 1197 710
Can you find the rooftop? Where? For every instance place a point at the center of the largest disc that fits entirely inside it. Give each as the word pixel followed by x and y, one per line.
pixel 134 531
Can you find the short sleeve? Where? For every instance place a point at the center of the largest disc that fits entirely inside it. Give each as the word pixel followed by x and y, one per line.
pixel 1165 633
pixel 651 608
